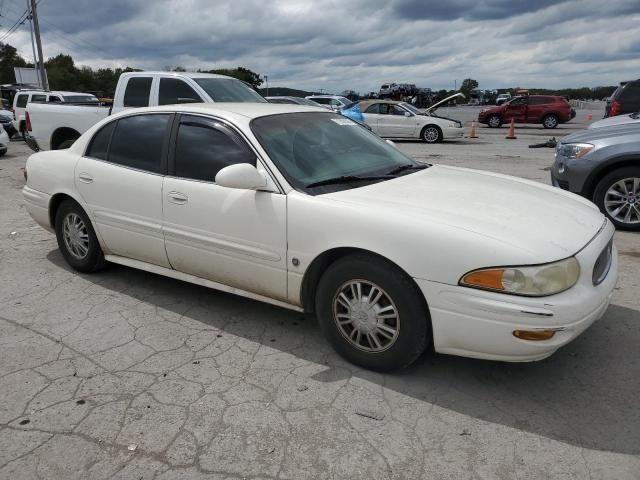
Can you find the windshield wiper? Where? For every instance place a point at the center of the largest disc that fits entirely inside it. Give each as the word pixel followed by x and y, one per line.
pixel 347 179
pixel 408 166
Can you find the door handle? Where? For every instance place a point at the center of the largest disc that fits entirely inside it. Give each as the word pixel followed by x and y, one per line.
pixel 177 198
pixel 85 177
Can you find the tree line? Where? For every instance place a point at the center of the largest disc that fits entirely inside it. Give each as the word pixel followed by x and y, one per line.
pixel 63 74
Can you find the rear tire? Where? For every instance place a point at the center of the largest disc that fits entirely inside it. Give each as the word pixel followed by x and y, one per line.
pixel 550 121
pixel 362 296
pixel 76 238
pixel 616 197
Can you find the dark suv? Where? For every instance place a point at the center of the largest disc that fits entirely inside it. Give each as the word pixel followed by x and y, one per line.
pixel 549 110
pixel 626 99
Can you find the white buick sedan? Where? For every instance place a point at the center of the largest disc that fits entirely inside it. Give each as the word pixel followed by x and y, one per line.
pixel 303 208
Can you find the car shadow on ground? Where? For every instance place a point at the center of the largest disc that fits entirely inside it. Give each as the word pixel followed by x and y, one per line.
pixel 587 394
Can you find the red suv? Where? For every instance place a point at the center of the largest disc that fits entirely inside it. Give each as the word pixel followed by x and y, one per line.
pixel 546 109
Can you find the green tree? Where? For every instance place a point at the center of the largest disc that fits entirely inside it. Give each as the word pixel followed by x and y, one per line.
pixel 9 58
pixel 467 85
pixel 240 73
pixel 62 73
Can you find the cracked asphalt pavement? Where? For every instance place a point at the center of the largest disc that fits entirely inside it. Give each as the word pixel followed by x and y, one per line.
pixel 128 375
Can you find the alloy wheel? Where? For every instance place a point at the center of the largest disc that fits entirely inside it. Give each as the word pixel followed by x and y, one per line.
pixel 366 316
pixel 75 235
pixel 550 121
pixel 431 134
pixel 494 121
pixel 622 200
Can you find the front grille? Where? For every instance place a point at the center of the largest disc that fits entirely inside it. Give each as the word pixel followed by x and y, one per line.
pixel 603 264
pixel 563 184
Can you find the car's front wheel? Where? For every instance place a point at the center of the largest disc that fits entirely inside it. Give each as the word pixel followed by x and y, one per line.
pixel 550 121
pixel 372 313
pixel 431 134
pixel 76 238
pixel 618 197
pixel 494 121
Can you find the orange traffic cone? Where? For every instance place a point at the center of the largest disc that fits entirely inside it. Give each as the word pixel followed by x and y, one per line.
pixel 472 130
pixel 590 116
pixel 512 131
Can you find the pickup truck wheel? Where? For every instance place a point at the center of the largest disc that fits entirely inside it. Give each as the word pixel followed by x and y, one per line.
pixel 617 195
pixel 372 313
pixel 550 121
pixel 494 121
pixel 431 134
pixel 66 144
pixel 76 238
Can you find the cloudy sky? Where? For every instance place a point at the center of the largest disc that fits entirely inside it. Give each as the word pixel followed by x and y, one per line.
pixel 351 44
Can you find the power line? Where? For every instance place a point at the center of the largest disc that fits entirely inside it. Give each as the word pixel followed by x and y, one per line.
pixel 16 25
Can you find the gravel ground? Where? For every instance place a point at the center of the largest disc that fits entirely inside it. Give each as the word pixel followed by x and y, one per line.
pixel 129 375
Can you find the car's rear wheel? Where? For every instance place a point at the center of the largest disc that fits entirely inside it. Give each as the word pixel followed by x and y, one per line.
pixel 494 121
pixel 550 121
pixel 372 313
pixel 431 134
pixel 76 238
pixel 618 197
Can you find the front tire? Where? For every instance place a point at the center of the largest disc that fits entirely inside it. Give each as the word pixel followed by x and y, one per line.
pixel 550 121
pixel 494 121
pixel 372 313
pixel 617 195
pixel 76 238
pixel 431 134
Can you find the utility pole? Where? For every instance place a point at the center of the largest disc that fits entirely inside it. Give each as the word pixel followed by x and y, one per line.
pixel 36 28
pixel 33 45
pixel 266 79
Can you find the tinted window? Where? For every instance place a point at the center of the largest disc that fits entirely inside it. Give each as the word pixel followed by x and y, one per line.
pixel 38 98
pixel 518 101
pixel 22 101
pixel 323 101
pixel 202 150
pixel 375 108
pixel 137 142
pixel 631 91
pixel 100 142
pixel 53 99
pixel 137 92
pixel 229 90
pixel 173 90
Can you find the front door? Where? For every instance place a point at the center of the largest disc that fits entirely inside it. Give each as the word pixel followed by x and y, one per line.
pixel 516 109
pixel 396 123
pixel 230 236
pixel 120 179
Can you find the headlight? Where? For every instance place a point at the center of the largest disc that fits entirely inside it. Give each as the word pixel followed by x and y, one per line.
pixel 574 150
pixel 453 124
pixel 530 281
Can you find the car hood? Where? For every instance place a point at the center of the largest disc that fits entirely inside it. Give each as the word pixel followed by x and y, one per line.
pixel 435 106
pixel 617 120
pixel 607 132
pixel 544 223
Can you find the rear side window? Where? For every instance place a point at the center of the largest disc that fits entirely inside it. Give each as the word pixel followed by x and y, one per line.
pixel 540 100
pixel 54 99
pixel 38 98
pixel 138 141
pixel 100 142
pixel 22 101
pixel 631 92
pixel 137 92
pixel 202 150
pixel 323 101
pixel 375 108
pixel 173 90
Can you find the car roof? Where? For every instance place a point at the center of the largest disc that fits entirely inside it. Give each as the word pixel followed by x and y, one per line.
pixel 65 92
pixel 224 109
pixel 366 103
pixel 177 74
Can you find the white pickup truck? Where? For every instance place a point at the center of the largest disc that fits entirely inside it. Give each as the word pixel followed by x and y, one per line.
pixel 57 126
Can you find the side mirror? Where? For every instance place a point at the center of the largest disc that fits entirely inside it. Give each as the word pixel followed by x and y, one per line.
pixel 407 114
pixel 241 175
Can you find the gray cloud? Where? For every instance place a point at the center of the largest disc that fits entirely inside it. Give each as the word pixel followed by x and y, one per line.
pixel 359 44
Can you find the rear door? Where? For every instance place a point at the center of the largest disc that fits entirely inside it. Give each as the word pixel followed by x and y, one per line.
pixel 372 115
pixel 231 236
pixel 136 92
pixel 538 106
pixel 120 178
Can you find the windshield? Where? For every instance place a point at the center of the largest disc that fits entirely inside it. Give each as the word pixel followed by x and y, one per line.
pixel 344 100
pixel 306 101
pixel 80 99
pixel 315 146
pixel 229 90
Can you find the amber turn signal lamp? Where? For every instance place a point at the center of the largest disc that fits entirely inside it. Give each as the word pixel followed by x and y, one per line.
pixel 491 279
pixel 534 335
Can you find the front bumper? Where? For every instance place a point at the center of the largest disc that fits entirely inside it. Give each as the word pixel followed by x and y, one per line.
pixel 480 324
pixel 449 133
pixel 32 142
pixel 572 175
